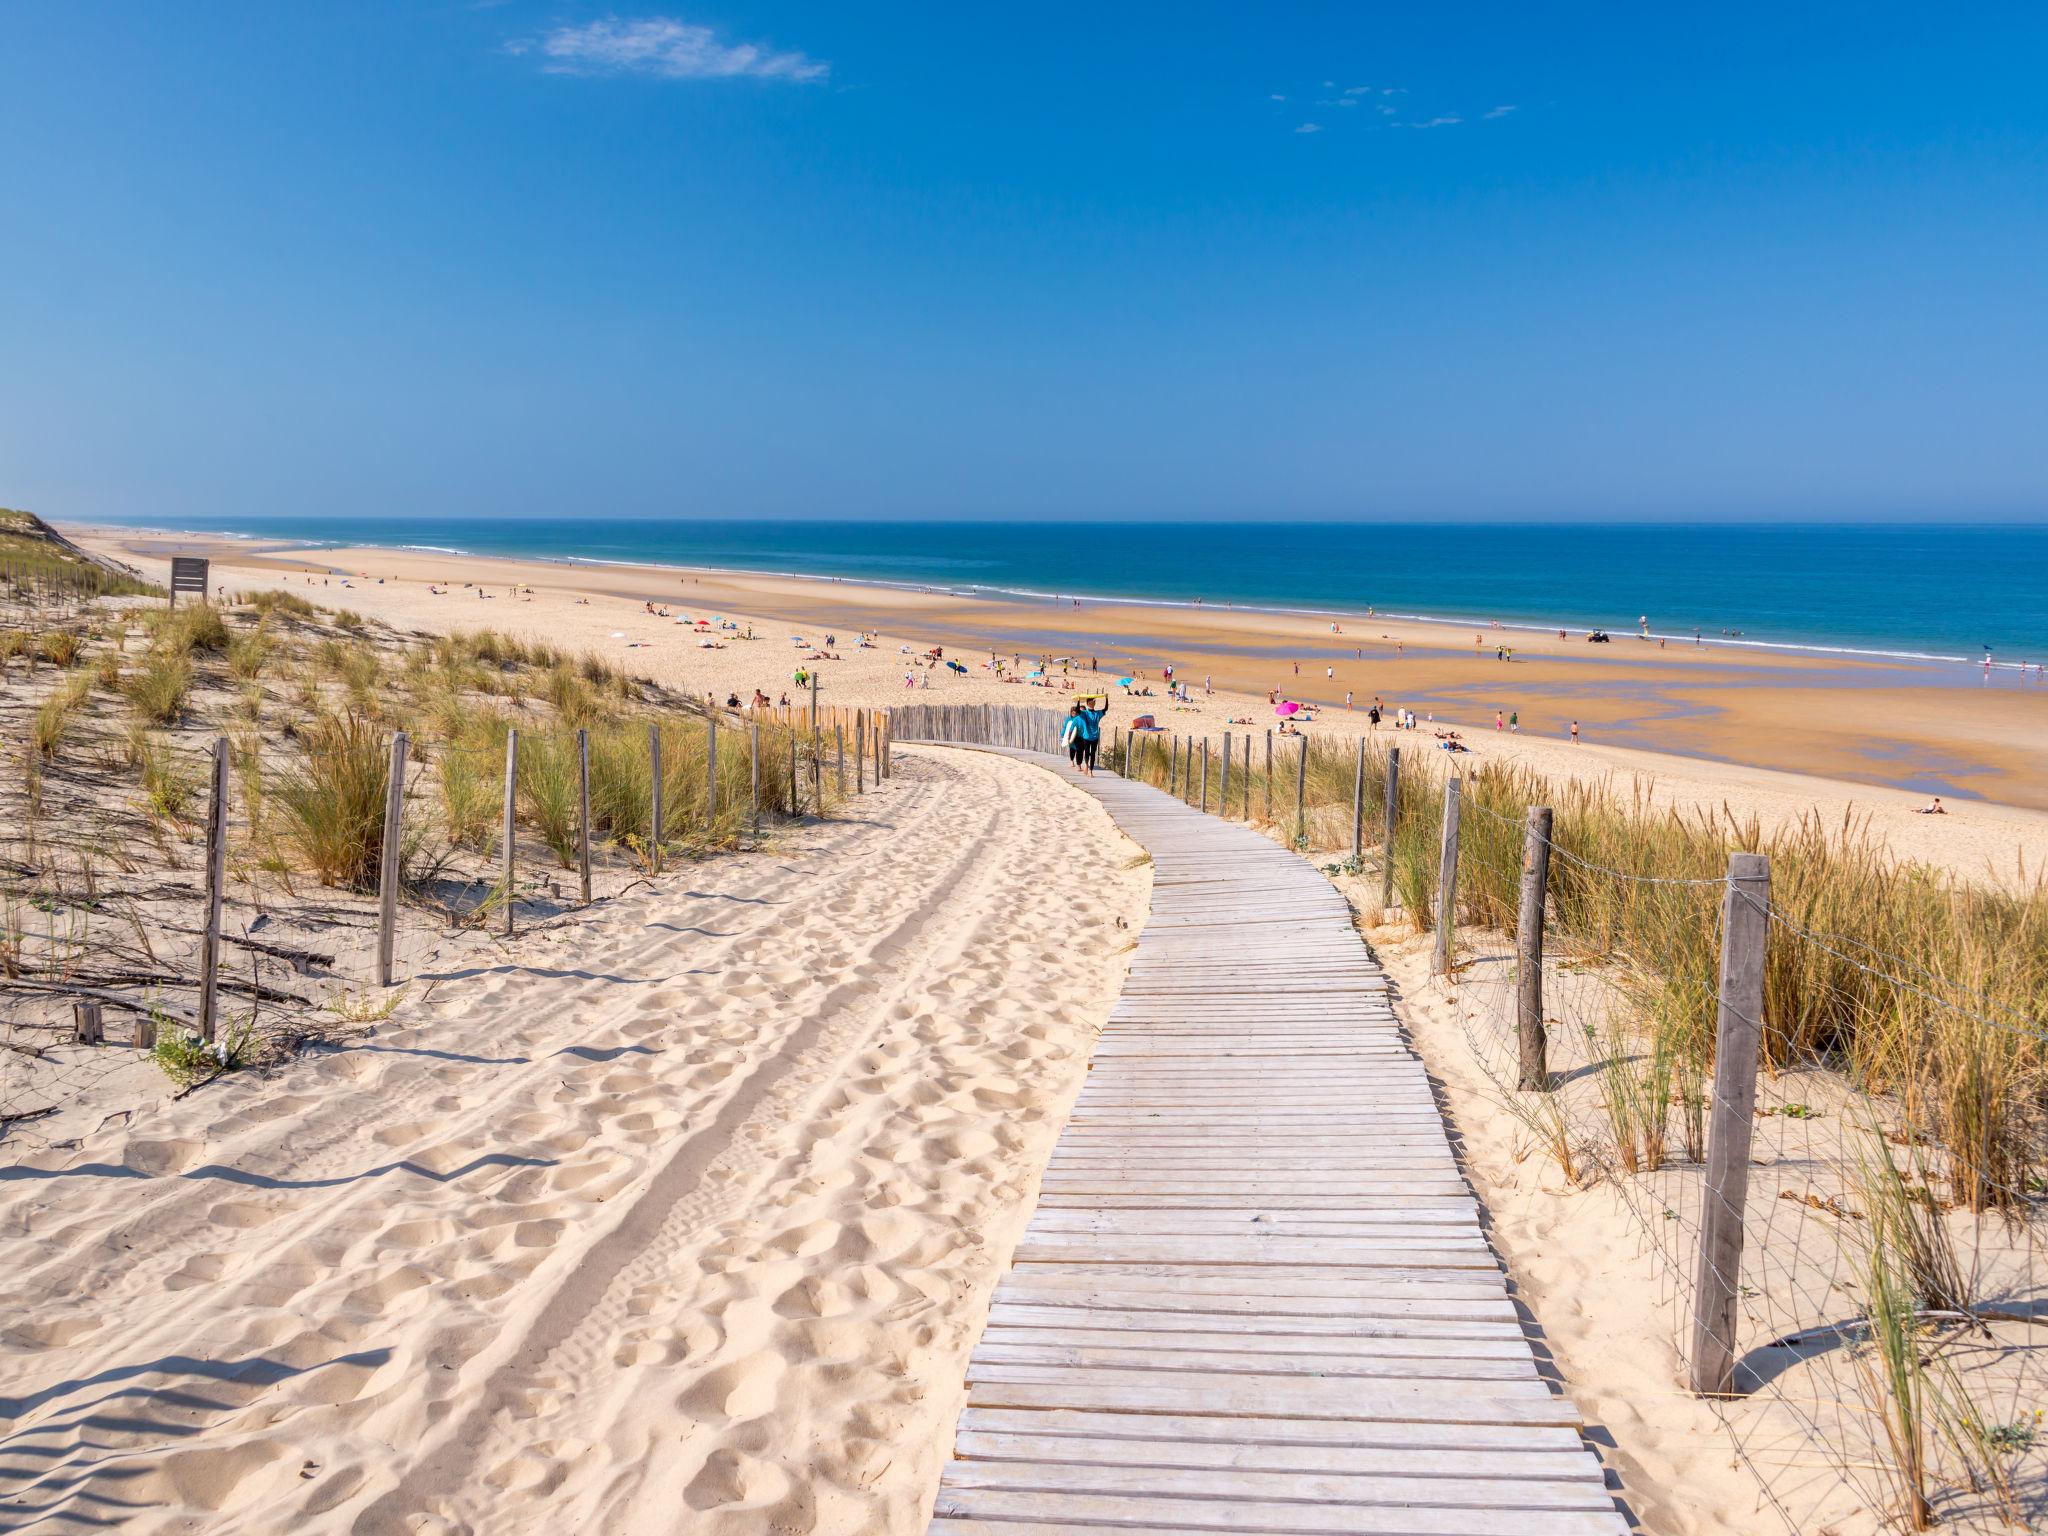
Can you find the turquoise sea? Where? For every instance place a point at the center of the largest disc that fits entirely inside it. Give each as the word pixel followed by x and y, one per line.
pixel 1936 591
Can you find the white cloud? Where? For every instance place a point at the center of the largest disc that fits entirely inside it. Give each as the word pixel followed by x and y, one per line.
pixel 1344 101
pixel 1357 90
pixel 1329 85
pixel 1276 98
pixel 1310 128
pixel 1436 122
pixel 669 49
pixel 1501 111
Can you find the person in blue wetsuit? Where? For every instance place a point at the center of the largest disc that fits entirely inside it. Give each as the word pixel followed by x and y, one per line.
pixel 1091 735
pixel 1074 737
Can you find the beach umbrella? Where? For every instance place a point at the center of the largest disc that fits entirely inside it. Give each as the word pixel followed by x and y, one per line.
pixel 1123 682
pixel 1289 708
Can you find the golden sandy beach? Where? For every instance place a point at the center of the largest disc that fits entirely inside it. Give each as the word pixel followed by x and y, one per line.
pixel 1768 735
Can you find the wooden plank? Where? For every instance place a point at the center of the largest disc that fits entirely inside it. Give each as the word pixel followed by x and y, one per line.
pixel 985 1512
pixel 1500 1402
pixel 1320 1486
pixel 1199 1429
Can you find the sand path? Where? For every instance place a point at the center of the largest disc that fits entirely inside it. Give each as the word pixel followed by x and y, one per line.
pixel 682 1218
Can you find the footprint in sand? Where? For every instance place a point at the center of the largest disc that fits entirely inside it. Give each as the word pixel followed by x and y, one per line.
pixel 732 1479
pixel 745 1389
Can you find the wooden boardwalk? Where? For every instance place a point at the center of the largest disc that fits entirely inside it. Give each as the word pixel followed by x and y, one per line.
pixel 1254 1296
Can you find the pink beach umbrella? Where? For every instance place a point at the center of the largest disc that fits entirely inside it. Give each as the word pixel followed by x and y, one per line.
pixel 1288 708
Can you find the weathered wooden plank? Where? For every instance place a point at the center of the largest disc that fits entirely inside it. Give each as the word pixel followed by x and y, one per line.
pixel 985 1512
pixel 1320 1486
pixel 1194 1430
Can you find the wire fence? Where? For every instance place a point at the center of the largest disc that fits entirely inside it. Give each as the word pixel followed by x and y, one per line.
pixel 1845 1227
pixel 228 895
pixel 1816 1081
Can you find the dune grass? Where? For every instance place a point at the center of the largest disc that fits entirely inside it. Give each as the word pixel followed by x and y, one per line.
pixel 331 804
pixel 1910 983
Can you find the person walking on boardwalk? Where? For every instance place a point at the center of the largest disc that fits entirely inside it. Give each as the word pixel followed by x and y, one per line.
pixel 1073 736
pixel 1091 733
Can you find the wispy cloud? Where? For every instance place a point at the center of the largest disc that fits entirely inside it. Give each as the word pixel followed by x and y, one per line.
pixel 665 48
pixel 1434 122
pixel 1310 128
pixel 1277 98
pixel 1501 111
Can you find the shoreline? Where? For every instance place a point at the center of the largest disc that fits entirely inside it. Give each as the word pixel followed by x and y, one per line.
pixel 1778 736
pixel 270 544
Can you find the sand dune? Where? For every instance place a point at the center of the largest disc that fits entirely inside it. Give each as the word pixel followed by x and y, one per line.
pixel 682 1217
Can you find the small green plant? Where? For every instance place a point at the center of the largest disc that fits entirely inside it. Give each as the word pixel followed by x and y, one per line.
pixel 364 1007
pixel 187 1059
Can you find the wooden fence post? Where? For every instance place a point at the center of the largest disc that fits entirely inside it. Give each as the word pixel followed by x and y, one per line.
pixel 1358 810
pixel 1393 814
pixel 796 788
pixel 387 866
pixel 839 751
pixel 1223 786
pixel 754 770
pixel 1447 881
pixel 860 746
pixel 1301 795
pixel 1533 1047
pixel 511 781
pixel 1205 775
pixel 1269 773
pixel 1173 763
pixel 817 758
pixel 583 814
pixel 711 770
pixel 216 876
pixel 1738 1036
pixel 88 1022
pixel 654 820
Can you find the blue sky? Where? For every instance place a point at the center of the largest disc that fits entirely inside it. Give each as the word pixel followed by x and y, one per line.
pixel 1061 260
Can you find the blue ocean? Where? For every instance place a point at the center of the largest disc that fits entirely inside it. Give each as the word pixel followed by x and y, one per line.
pixel 1920 590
